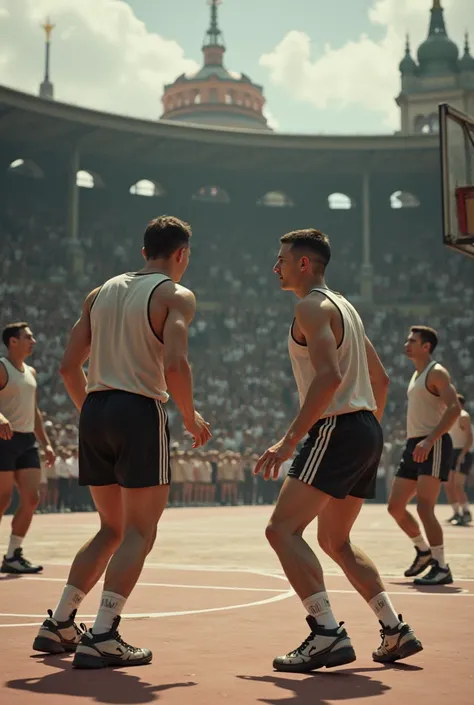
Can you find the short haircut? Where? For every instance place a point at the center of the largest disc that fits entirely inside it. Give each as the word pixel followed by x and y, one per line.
pixel 427 335
pixel 310 239
pixel 462 399
pixel 165 235
pixel 12 330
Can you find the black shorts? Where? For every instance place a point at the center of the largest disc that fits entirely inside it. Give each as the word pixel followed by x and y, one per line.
pixel 341 455
pixel 124 440
pixel 438 463
pixel 466 464
pixel 19 453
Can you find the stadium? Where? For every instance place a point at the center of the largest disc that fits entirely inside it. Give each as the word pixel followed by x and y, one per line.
pixel 78 188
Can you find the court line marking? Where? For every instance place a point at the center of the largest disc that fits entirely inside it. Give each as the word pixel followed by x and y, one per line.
pixel 283 595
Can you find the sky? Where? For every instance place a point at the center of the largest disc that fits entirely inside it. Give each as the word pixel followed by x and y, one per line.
pixel 326 68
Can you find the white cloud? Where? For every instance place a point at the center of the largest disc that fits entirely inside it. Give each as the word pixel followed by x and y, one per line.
pixel 102 56
pixel 362 72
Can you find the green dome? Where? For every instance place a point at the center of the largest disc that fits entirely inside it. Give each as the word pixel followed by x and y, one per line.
pixel 438 52
pixel 407 65
pixel 466 63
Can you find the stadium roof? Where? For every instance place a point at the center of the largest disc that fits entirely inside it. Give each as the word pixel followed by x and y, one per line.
pixel 43 125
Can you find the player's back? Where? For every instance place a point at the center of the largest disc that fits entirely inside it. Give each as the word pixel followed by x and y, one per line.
pixel 125 352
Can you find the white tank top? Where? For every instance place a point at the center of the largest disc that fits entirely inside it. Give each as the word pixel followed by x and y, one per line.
pixel 355 391
pixel 459 435
pixel 125 352
pixel 18 397
pixel 425 410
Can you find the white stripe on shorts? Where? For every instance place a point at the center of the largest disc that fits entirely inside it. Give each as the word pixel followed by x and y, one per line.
pixel 317 453
pixel 437 456
pixel 164 470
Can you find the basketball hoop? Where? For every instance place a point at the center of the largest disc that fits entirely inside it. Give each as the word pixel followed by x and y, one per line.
pixel 465 211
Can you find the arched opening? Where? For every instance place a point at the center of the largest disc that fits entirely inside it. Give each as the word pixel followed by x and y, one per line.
pixel 145 187
pixel 89 179
pixel 26 167
pixel 403 199
pixel 340 202
pixel 275 199
pixel 211 194
pixel 197 98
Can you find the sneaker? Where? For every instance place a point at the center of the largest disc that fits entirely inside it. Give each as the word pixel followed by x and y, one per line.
pixel 57 637
pixel 454 519
pixel 467 516
pixel 422 560
pixel 109 649
pixel 397 643
pixel 19 564
pixel 323 648
pixel 436 576
pixel 460 521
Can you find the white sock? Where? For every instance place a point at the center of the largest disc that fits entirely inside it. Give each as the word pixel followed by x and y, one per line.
pixel 318 606
pixel 420 543
pixel 438 554
pixel 15 542
pixel 383 610
pixel 455 507
pixel 70 601
pixel 111 605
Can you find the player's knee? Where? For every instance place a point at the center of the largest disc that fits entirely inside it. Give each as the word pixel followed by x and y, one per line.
pixel 326 544
pixel 5 500
pixel 111 535
pixel 395 509
pixel 424 507
pixel 29 498
pixel 275 533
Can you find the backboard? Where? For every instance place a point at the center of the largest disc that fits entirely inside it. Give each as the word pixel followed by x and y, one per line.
pixel 457 178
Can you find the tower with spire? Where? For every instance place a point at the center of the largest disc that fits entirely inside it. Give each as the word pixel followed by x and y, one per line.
pixel 46 87
pixel 214 95
pixel 439 75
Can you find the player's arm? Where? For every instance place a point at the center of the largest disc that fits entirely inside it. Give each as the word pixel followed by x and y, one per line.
pixel 439 383
pixel 181 305
pixel 77 352
pixel 379 378
pixel 314 321
pixel 40 432
pixel 466 425
pixel 6 431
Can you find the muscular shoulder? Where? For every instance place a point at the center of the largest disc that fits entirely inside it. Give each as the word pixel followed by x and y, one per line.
pixel 438 374
pixel 173 295
pixel 313 307
pixel 3 375
pixel 464 418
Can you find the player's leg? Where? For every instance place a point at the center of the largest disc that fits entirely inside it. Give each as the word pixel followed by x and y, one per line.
pixel 27 481
pixel 334 526
pixel 403 490
pixel 465 516
pixel 59 632
pixel 451 491
pixel 328 644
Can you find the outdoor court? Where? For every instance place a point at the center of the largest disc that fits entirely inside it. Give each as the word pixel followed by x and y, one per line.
pixel 215 609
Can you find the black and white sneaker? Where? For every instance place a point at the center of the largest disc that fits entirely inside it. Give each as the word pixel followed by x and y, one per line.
pixel 109 649
pixel 466 517
pixel 397 643
pixel 436 576
pixel 422 560
pixel 454 519
pixel 57 637
pixel 18 564
pixel 323 648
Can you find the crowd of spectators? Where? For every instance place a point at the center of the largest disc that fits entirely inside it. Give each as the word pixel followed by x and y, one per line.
pixel 238 341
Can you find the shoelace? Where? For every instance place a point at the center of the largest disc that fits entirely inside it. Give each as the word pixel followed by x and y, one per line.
pixel 303 646
pixel 80 629
pixel 118 638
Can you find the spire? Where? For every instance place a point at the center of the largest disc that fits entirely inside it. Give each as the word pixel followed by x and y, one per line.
pixel 46 87
pixel 407 65
pixel 466 62
pixel 214 46
pixel 437 25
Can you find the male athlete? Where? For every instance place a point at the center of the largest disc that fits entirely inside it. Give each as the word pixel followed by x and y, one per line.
pixel 342 387
pixel 21 427
pixel 134 330
pixel 461 464
pixel 433 407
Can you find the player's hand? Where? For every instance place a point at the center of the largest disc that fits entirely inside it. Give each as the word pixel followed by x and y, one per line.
pixel 422 450
pixel 50 456
pixel 273 458
pixel 199 429
pixel 6 431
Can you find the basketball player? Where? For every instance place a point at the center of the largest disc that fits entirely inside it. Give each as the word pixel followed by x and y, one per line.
pixel 342 387
pixel 134 329
pixel 433 407
pixel 461 464
pixel 21 428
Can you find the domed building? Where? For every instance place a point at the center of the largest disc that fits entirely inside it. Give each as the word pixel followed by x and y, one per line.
pixel 215 95
pixel 438 76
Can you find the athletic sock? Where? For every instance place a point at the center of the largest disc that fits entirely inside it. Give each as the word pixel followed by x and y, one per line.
pixel 15 542
pixel 319 607
pixel 383 610
pixel 438 554
pixel 455 507
pixel 70 601
pixel 420 543
pixel 111 606
pixel 465 507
